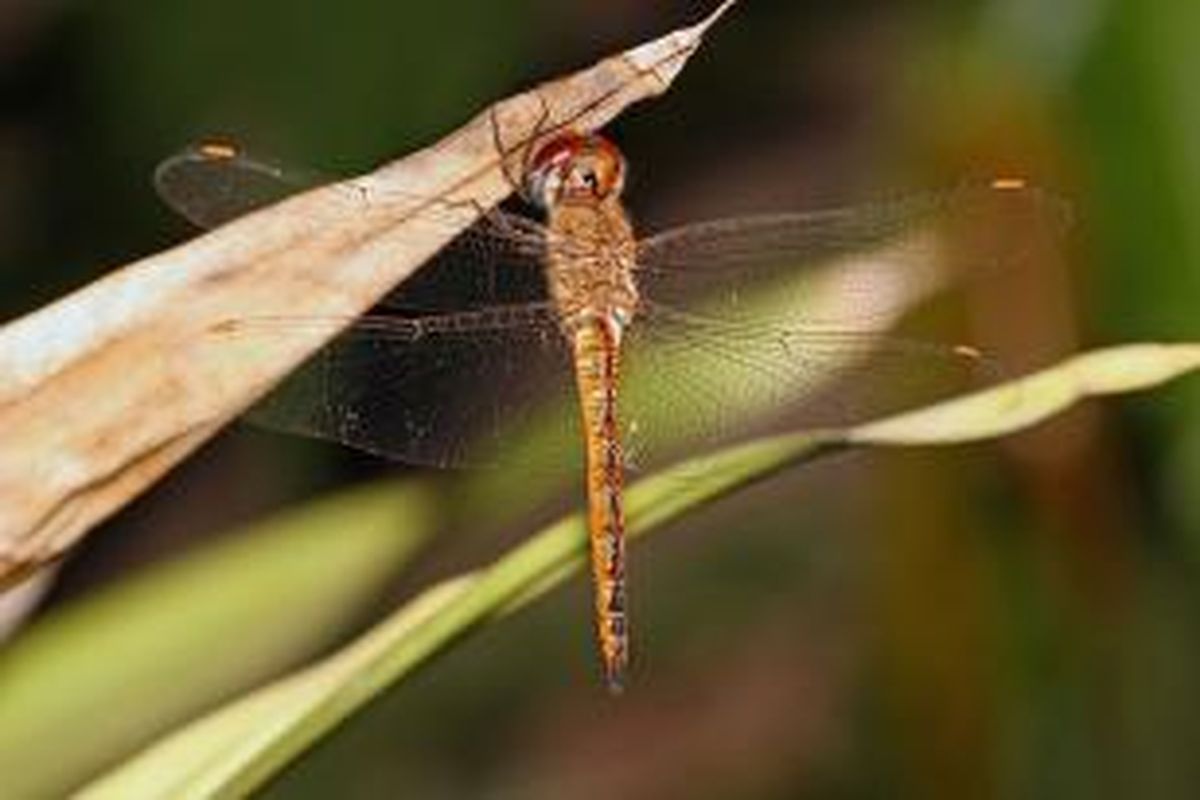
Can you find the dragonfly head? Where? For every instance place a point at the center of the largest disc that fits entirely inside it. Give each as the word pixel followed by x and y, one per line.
pixel 575 168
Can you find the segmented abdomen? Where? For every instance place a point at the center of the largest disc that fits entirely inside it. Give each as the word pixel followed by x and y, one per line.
pixel 597 361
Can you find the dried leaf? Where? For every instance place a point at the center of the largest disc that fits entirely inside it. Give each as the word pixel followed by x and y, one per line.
pixel 105 390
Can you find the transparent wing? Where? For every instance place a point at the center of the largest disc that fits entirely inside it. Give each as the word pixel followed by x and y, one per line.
pixel 212 183
pixel 496 260
pixel 920 241
pixel 441 390
pixel 693 382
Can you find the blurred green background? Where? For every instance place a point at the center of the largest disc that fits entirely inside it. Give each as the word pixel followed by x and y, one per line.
pixel 1017 620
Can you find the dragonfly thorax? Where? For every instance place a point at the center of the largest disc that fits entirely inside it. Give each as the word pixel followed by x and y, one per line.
pixel 590 263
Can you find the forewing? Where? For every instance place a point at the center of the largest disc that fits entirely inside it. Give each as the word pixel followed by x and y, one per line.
pixel 895 248
pixel 213 183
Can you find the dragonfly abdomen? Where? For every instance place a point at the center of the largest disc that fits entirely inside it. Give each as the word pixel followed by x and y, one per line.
pixel 596 342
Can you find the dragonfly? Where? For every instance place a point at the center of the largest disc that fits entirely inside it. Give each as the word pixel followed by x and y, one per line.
pixel 695 334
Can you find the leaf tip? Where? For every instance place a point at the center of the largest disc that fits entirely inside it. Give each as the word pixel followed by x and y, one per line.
pixel 715 16
pixel 665 57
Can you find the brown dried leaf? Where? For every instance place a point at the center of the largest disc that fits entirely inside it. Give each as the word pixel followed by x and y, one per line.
pixel 105 390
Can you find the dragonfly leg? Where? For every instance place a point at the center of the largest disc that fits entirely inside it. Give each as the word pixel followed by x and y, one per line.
pixel 526 147
pixel 538 129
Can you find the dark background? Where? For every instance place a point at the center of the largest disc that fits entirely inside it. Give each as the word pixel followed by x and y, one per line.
pixel 1013 620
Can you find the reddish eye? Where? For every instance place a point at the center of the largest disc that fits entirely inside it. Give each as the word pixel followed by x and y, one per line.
pixel 557 151
pixel 572 165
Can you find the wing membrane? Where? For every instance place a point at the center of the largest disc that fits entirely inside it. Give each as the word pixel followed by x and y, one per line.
pixel 693 382
pixel 496 260
pixel 929 240
pixel 442 390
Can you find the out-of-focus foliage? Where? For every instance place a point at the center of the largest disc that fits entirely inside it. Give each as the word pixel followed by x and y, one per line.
pixel 1013 620
pixel 144 655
